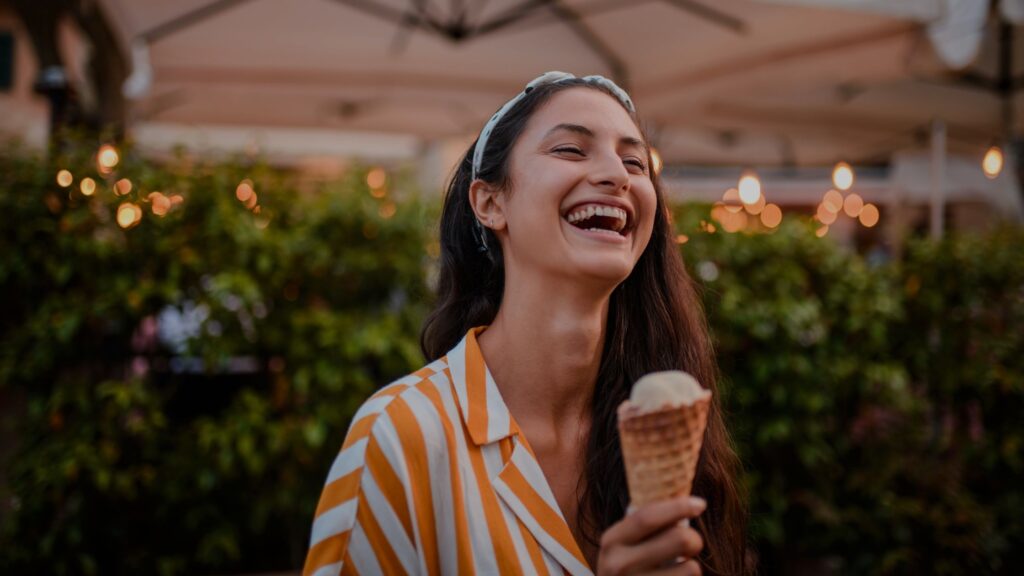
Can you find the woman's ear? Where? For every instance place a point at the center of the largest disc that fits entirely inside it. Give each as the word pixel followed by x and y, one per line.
pixel 488 204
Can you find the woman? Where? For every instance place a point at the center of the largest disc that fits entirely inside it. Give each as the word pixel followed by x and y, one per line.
pixel 560 286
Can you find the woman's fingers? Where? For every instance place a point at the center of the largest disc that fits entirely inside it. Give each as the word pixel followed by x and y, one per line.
pixel 676 541
pixel 652 518
pixel 688 568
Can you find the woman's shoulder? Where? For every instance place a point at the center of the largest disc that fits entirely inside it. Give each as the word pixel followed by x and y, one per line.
pixel 419 404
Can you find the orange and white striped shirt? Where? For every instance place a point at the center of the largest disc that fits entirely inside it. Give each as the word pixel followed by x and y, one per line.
pixel 435 477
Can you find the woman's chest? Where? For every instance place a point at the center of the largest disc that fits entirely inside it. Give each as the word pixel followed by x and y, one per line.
pixel 506 506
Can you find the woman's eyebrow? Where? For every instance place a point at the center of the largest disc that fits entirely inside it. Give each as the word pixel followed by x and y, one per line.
pixel 583 130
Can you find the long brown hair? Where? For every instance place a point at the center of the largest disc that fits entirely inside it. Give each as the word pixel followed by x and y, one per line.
pixel 655 322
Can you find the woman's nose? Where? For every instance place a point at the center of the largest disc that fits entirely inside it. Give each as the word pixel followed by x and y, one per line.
pixel 609 171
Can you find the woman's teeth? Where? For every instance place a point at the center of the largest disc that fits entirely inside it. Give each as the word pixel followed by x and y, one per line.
pixel 609 232
pixel 618 214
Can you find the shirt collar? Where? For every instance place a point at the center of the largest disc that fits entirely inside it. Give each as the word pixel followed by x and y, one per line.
pixel 480 403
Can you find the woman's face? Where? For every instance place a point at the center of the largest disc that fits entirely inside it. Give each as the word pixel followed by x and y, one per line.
pixel 582 203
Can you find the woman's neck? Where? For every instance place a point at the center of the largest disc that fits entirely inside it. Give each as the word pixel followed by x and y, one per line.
pixel 544 351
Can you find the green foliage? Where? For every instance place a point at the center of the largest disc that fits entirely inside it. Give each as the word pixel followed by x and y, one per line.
pixel 207 453
pixel 876 409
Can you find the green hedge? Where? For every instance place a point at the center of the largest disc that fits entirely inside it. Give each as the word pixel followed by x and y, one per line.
pixel 877 410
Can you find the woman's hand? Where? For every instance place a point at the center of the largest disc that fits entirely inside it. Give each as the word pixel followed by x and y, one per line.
pixel 650 540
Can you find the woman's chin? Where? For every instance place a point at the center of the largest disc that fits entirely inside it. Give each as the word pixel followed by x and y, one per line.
pixel 603 271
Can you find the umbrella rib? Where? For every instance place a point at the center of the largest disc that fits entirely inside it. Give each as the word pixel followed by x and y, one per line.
pixel 575 22
pixel 401 18
pixel 589 10
pixel 710 14
pixel 509 17
pixel 178 23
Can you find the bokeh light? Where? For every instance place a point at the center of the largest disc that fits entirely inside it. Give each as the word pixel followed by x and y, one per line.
pixel 824 215
pixel 244 191
pixel 734 221
pixel 833 201
pixel 842 176
pixel 107 158
pixel 992 164
pixel 853 205
pixel 123 187
pixel 749 187
pixel 376 178
pixel 718 210
pixel 64 178
pixel 756 207
pixel 731 200
pixel 128 215
pixel 869 215
pixel 88 186
pixel 771 216
pixel 656 163
pixel 161 204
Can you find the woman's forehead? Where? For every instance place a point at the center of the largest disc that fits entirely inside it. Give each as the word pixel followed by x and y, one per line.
pixel 596 110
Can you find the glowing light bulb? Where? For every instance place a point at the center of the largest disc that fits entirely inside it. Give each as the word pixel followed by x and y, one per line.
pixel 88 186
pixel 833 201
pixel 732 201
pixel 244 191
pixel 161 203
pixel 771 216
pixel 64 178
pixel 992 164
pixel 853 205
pixel 825 215
pixel 107 158
pixel 128 215
pixel 756 208
pixel 869 215
pixel 749 188
pixel 123 187
pixel 656 163
pixel 842 176
pixel 376 178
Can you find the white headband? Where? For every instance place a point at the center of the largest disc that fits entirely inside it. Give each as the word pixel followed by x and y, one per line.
pixel 545 78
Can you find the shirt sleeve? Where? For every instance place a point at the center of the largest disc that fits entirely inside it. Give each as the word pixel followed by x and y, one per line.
pixel 363 523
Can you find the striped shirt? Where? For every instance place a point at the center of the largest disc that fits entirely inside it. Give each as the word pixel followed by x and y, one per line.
pixel 435 477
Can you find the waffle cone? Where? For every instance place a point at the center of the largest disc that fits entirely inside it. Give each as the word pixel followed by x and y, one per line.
pixel 660 449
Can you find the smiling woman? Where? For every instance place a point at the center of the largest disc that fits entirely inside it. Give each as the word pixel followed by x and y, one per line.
pixel 561 285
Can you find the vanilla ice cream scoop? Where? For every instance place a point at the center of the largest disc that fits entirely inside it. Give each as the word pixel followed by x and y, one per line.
pixel 672 387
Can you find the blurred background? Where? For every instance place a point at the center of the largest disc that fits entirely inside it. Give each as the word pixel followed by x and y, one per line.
pixel 218 227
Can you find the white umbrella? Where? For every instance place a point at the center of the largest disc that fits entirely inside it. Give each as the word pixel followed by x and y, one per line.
pixel 720 82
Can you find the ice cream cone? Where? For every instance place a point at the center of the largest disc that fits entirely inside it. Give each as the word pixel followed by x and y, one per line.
pixel 660 448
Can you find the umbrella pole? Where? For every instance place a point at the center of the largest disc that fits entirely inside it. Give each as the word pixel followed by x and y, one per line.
pixel 938 178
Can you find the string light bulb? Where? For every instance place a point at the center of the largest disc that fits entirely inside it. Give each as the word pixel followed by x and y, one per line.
pixel 88 186
pixel 128 215
pixel 107 158
pixel 842 176
pixel 656 163
pixel 992 164
pixel 771 216
pixel 749 187
pixel 833 201
pixel 64 178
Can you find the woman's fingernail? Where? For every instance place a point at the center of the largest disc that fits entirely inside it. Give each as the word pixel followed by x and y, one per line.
pixel 698 502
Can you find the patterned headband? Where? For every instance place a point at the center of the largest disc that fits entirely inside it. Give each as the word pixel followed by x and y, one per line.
pixel 546 78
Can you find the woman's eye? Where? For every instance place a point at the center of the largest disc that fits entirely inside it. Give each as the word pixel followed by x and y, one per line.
pixel 638 163
pixel 569 149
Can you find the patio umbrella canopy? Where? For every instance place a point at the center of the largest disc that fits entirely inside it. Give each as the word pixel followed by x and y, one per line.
pixel 726 82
